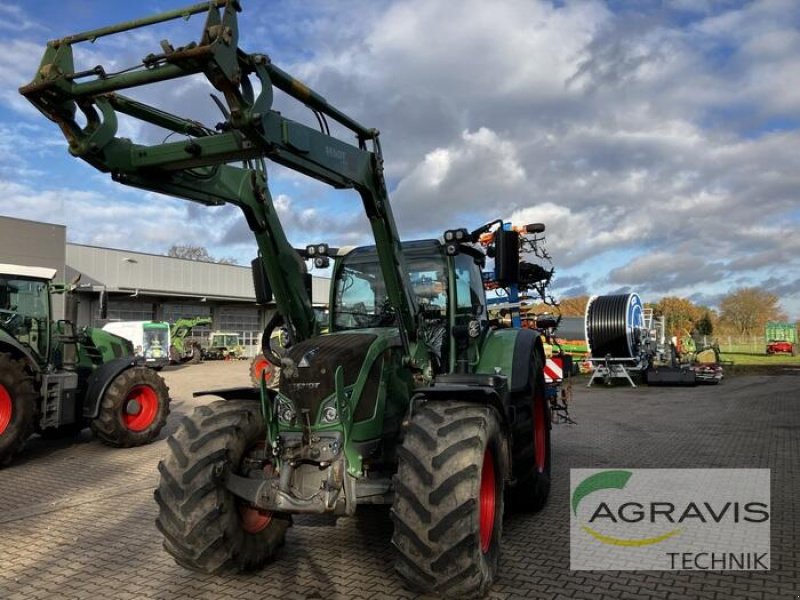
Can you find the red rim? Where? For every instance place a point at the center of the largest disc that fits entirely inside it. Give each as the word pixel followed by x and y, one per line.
pixel 540 433
pixel 487 501
pixel 140 408
pixel 6 408
pixel 254 520
pixel 259 367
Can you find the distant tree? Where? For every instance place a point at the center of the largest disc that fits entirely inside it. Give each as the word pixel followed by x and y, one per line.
pixel 574 307
pixel 198 253
pixel 704 325
pixel 680 314
pixel 746 311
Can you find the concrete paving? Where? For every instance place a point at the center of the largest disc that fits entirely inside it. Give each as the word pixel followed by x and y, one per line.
pixel 77 517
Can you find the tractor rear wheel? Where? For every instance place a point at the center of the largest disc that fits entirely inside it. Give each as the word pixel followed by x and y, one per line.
pixel 448 507
pixel 133 410
pixel 531 448
pixel 205 527
pixel 18 407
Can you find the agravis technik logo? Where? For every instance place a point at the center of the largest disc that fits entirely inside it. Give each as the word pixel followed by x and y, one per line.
pixel 706 519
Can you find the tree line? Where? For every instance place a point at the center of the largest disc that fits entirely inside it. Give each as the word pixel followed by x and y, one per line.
pixel 744 311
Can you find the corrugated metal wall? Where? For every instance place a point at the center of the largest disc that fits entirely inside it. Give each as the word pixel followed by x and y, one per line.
pixel 123 270
pixel 35 244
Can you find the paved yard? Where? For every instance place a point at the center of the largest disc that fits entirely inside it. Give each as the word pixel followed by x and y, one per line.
pixel 77 517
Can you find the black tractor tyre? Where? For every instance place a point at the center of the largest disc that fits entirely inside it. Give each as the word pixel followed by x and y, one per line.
pixel 448 506
pixel 18 407
pixel 196 355
pixel 174 356
pixel 205 527
pixel 531 460
pixel 133 410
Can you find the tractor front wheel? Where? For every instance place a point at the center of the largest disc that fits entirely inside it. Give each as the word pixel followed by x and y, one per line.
pixel 448 507
pixel 205 527
pixel 259 367
pixel 133 410
pixel 18 404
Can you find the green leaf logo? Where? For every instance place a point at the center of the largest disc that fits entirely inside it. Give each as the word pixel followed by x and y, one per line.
pixel 611 480
pixel 599 481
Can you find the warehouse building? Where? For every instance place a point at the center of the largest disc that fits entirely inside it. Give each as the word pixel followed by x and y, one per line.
pixel 140 286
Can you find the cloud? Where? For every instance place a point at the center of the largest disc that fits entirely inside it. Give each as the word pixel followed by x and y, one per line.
pixel 657 141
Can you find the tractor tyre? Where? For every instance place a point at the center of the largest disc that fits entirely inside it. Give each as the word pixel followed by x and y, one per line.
pixel 18 407
pixel 196 355
pixel 174 356
pixel 531 447
pixel 133 410
pixel 448 506
pixel 206 527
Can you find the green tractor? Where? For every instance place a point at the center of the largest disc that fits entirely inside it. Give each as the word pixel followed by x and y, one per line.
pixel 181 349
pixel 54 380
pixel 411 399
pixel 223 345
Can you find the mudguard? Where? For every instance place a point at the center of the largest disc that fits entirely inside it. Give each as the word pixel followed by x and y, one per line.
pixel 510 351
pixel 98 382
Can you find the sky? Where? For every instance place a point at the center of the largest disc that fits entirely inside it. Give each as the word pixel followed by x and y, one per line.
pixel 656 139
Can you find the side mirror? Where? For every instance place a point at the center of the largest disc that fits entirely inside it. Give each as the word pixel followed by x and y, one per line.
pixel 103 305
pixel 260 282
pixel 506 257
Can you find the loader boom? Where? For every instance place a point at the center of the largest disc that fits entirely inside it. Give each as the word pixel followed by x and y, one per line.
pixel 199 168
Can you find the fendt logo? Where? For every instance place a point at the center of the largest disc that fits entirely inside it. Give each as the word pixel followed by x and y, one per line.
pixel 716 519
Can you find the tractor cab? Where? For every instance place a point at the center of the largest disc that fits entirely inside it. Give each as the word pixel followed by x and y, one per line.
pixel 25 306
pixel 448 291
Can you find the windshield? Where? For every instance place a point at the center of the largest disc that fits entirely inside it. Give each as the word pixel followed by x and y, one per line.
pixel 361 300
pixel 25 310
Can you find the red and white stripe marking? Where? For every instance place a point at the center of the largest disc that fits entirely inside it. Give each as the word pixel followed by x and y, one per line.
pixel 553 370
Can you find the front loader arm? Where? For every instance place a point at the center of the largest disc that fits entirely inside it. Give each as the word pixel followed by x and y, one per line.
pixel 199 168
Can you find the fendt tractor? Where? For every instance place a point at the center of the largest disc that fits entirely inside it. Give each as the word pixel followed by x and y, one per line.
pixel 56 381
pixel 410 399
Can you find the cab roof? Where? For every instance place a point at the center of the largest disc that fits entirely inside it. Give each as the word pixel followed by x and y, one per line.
pixel 30 272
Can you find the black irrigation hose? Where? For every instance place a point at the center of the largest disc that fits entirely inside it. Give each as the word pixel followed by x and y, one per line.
pixel 607 328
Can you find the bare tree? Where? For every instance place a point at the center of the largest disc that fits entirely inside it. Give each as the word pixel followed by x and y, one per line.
pixel 746 310
pixel 199 253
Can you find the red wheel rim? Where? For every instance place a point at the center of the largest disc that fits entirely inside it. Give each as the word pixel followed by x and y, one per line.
pixel 140 408
pixel 540 433
pixel 6 408
pixel 259 367
pixel 488 501
pixel 254 520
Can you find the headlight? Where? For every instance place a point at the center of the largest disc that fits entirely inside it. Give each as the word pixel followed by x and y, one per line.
pixel 328 413
pixel 286 412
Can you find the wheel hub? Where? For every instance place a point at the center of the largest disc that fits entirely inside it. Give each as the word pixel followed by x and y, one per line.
pixel 140 408
pixel 488 500
pixel 6 408
pixel 253 519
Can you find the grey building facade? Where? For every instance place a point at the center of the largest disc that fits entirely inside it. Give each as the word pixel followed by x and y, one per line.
pixel 140 286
